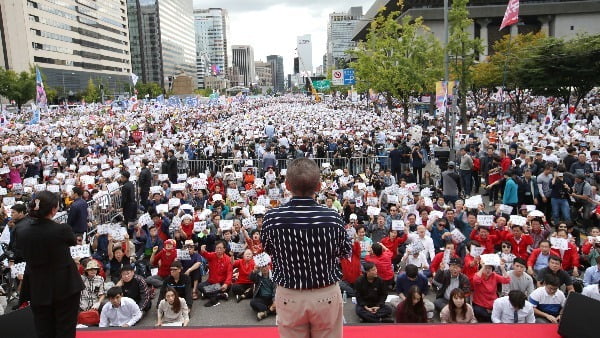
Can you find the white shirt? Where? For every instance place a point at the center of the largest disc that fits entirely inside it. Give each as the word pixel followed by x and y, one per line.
pixel 592 291
pixel 550 158
pixel 504 312
pixel 427 243
pixel 128 313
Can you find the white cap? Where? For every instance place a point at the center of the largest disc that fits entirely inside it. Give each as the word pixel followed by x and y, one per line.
pixel 217 197
pixel 353 217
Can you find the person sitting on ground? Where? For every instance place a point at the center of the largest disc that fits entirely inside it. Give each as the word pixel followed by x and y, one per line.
pixel 485 288
pixel 519 280
pixel 172 310
pixel 539 259
pixel 513 309
pixel 242 288
pixel 382 258
pixel 92 297
pixel 458 310
pixel 592 291
pixel 554 269
pixel 118 257
pixel 448 280
pixel 163 260
pixel 412 277
pixel 180 282
pixel 220 273
pixel 370 297
pixel 412 309
pixel 193 267
pixel 264 292
pixel 592 274
pixel 119 311
pixel 548 301
pixel 437 263
pixel 135 287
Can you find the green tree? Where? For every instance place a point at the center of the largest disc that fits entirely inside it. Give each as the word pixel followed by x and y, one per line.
pixel 464 51
pixel 91 93
pixel 152 89
pixel 51 94
pixel 18 87
pixel 203 92
pixel 400 58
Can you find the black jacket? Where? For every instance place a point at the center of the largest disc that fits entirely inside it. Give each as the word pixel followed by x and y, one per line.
pixel 442 278
pixel 50 274
pixel 128 202
pixel 370 294
pixel 183 287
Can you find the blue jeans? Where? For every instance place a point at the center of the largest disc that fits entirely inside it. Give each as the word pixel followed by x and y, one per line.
pixel 560 206
pixel 465 178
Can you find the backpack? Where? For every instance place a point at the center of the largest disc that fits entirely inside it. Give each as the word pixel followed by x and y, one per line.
pixel 142 268
pixel 476 164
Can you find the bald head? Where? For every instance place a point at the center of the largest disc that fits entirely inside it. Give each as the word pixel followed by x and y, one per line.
pixel 303 177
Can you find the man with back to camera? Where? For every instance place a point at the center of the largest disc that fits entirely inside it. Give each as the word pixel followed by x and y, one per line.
pixel 306 241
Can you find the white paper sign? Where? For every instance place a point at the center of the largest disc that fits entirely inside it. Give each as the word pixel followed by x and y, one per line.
pixel 530 208
pixel 117 233
pixel 162 208
pixel 226 224
pixel 416 246
pixel 398 225
pixel 536 213
pixel 80 251
pixel 457 236
pixel 145 219
pixel 392 199
pixel 236 247
pixel 17 269
pixel 249 223
pixel 103 229
pixel 16 160
pixel 262 259
pixel 3 192
pixel 183 255
pixel 233 194
pixel 156 190
pixel 473 202
pixel 163 177
pixel 373 211
pixel 9 201
pixel 199 226
pixel 435 214
pixel 181 177
pixel 476 251
pixel 559 243
pixel 5 237
pixel 177 187
pixel 506 209
pixel 518 220
pixel 174 202
pixel 491 259
pixel 485 220
pixel 112 187
pixel 372 201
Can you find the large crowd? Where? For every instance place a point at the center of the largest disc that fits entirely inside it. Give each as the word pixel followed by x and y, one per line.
pixel 500 226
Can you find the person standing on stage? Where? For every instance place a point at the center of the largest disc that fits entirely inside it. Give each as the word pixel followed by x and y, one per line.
pixel 306 242
pixel 51 276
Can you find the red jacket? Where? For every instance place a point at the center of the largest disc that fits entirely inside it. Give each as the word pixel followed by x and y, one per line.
pixel 485 290
pixel 469 270
pixel 534 256
pixel 351 267
pixel 164 268
pixel 437 260
pixel 520 249
pixel 244 269
pixel 487 243
pixel 383 264
pixel 587 247
pixel 393 245
pixel 570 258
pixel 220 269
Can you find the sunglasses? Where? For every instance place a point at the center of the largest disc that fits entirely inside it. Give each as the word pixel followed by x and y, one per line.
pixel 505 246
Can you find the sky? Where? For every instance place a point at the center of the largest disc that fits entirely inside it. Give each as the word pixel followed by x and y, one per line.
pixel 271 26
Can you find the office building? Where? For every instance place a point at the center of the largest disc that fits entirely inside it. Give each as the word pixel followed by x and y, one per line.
pixel 304 49
pixel 340 29
pixel 243 59
pixel 278 80
pixel 212 31
pixel 264 75
pixel 561 19
pixel 162 40
pixel 70 41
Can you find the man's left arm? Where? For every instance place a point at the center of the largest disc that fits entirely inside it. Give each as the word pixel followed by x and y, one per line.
pixel 136 314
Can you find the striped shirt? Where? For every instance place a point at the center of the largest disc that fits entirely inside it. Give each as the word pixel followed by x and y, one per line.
pixel 305 242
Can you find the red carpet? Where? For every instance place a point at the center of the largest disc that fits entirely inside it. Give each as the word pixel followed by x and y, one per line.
pixel 355 331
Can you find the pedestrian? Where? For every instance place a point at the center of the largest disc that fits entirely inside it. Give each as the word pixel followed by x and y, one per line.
pixel 302 287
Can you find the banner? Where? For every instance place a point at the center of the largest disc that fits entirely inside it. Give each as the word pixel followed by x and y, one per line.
pixel 442 96
pixel 134 79
pixel 511 16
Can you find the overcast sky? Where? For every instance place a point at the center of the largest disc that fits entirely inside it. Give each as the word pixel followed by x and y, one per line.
pixel 271 26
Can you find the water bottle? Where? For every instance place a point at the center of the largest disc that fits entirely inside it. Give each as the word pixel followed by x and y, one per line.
pixel 345 296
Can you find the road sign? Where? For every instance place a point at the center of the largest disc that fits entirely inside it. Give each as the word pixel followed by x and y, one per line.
pixel 343 77
pixel 337 77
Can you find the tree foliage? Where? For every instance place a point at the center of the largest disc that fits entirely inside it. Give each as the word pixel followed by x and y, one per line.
pixel 400 58
pixel 152 89
pixel 464 51
pixel 19 87
pixel 91 93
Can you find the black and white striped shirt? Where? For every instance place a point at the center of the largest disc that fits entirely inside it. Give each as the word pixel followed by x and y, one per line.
pixel 305 241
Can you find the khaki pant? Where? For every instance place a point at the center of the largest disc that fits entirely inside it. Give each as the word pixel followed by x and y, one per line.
pixel 309 313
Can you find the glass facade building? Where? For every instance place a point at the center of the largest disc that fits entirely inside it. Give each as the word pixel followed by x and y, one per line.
pixel 212 31
pixel 340 30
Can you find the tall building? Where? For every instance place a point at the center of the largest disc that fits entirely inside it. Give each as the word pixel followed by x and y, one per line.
pixel 70 41
pixel 162 40
pixel 278 80
pixel 561 19
pixel 304 49
pixel 264 74
pixel 243 60
pixel 340 30
pixel 212 31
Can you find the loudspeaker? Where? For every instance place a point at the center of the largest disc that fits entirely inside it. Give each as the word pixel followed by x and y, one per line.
pixel 579 318
pixel 18 323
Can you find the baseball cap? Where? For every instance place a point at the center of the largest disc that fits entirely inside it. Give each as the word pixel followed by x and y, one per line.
pixel 451 164
pixel 353 217
pixel 455 261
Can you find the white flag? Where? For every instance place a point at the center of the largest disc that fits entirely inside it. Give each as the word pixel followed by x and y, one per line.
pixel 134 78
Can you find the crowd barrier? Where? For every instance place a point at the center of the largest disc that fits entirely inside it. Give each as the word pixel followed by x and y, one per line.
pixel 355 165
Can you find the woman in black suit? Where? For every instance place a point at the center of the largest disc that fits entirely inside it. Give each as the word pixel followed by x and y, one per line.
pixel 53 283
